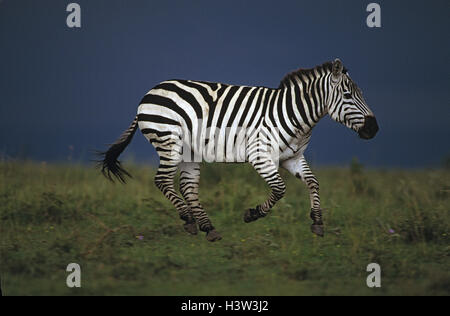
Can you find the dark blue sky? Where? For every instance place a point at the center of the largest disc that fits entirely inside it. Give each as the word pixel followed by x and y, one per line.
pixel 64 87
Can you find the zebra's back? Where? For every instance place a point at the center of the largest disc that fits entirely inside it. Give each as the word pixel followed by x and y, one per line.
pixel 197 112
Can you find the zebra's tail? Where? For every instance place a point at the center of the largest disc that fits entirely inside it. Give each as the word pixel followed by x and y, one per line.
pixel 109 163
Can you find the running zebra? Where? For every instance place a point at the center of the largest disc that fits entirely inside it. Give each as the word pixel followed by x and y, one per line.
pixel 193 121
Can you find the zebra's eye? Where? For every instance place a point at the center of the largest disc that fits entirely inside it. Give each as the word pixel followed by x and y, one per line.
pixel 347 95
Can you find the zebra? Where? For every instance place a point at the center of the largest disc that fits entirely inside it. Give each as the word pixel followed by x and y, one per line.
pixel 204 110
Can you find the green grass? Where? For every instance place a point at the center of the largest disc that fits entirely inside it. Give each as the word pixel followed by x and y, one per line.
pixel 52 215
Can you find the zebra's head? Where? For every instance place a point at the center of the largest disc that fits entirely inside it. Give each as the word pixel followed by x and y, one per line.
pixel 347 105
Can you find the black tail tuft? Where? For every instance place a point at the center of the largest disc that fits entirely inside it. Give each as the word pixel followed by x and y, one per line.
pixel 111 166
pixel 108 159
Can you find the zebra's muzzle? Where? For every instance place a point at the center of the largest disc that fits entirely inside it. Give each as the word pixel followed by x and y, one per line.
pixel 369 129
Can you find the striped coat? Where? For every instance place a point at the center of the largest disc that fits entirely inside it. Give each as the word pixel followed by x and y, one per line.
pixel 189 122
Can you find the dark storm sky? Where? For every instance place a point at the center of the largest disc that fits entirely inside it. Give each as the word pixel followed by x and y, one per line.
pixel 65 88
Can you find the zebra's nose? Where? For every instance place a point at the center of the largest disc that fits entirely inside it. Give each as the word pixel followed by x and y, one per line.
pixel 369 129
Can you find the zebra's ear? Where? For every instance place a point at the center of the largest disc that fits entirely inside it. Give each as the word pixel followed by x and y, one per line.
pixel 338 67
pixel 337 71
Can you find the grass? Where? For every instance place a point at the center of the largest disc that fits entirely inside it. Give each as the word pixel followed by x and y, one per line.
pixel 52 215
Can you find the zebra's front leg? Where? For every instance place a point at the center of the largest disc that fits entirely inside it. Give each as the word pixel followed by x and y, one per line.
pixel 189 184
pixel 268 170
pixel 299 168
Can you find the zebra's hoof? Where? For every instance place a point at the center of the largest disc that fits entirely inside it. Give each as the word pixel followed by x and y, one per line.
pixel 250 215
pixel 317 229
pixel 213 235
pixel 191 228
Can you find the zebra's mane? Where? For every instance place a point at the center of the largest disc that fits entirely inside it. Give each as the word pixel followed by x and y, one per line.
pixel 327 67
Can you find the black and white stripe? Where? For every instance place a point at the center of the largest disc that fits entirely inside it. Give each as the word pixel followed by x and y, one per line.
pixel 184 119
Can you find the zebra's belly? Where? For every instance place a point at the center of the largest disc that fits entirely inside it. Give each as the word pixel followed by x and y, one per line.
pixel 215 149
pixel 295 148
pixel 221 147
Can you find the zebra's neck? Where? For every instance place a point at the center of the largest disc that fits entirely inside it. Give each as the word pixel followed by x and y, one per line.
pixel 306 94
pixel 300 104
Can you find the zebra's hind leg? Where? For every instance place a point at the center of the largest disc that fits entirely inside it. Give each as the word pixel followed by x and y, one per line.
pixel 189 184
pixel 164 180
pixel 187 188
pixel 268 170
pixel 169 148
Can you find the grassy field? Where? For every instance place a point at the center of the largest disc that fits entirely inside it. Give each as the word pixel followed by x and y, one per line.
pixel 129 240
